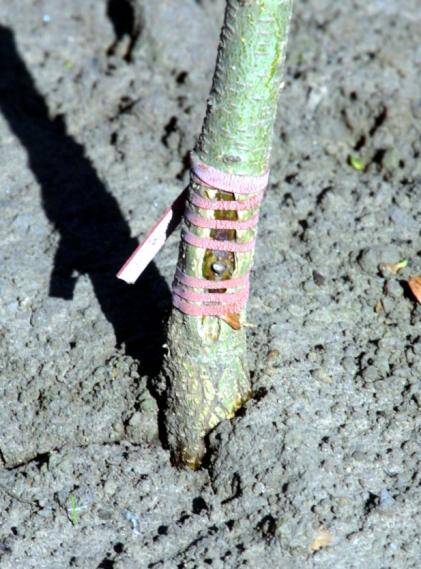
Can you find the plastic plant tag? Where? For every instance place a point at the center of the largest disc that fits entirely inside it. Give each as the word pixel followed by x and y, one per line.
pixel 153 242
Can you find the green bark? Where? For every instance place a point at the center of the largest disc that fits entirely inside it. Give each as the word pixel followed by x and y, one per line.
pixel 206 363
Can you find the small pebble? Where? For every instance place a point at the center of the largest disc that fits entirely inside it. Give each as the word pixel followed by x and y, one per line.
pixel 393 288
pixel 388 305
pixel 321 375
pixel 318 278
pixel 385 499
pixel 110 487
pixel 370 374
pixel 259 488
pixel 133 519
pixel 309 286
pixel 348 363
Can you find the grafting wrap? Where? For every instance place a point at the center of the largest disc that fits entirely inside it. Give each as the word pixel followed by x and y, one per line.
pixel 203 297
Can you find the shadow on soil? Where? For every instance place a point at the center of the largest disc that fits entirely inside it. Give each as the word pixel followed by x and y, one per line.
pixel 94 236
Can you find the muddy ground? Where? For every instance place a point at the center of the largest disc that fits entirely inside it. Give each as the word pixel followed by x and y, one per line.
pixel 99 106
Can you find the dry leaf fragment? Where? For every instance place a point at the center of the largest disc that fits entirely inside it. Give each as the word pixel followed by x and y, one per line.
pixel 272 354
pixel 378 307
pixel 232 319
pixel 393 268
pixel 323 539
pixel 414 283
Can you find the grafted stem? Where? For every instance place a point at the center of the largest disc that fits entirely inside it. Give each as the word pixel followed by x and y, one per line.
pixel 206 363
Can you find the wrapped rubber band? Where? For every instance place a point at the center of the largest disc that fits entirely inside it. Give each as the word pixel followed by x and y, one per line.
pixel 207 223
pixel 227 297
pixel 207 309
pixel 215 244
pixel 234 183
pixel 197 296
pixel 156 237
pixel 223 205
pixel 211 304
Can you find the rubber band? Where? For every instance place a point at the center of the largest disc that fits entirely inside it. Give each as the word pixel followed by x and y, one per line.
pixel 196 282
pixel 208 223
pixel 227 297
pixel 211 304
pixel 224 205
pixel 234 183
pixel 207 309
pixel 198 296
pixel 215 244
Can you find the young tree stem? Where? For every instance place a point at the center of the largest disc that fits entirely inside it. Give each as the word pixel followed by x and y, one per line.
pixel 206 362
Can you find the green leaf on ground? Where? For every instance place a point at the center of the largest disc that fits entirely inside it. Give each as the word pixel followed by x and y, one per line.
pixel 357 163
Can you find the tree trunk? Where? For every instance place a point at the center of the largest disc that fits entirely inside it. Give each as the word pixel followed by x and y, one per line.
pixel 206 362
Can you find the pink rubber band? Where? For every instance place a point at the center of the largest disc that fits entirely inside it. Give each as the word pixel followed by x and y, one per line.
pixel 205 222
pixel 207 309
pixel 215 245
pixel 204 203
pixel 234 299
pixel 211 304
pixel 225 181
pixel 196 282
pixel 226 297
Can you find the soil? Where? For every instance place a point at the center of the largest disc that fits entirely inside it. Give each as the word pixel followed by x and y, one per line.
pixel 99 105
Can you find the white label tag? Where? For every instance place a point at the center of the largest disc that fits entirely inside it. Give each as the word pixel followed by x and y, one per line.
pixel 154 241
